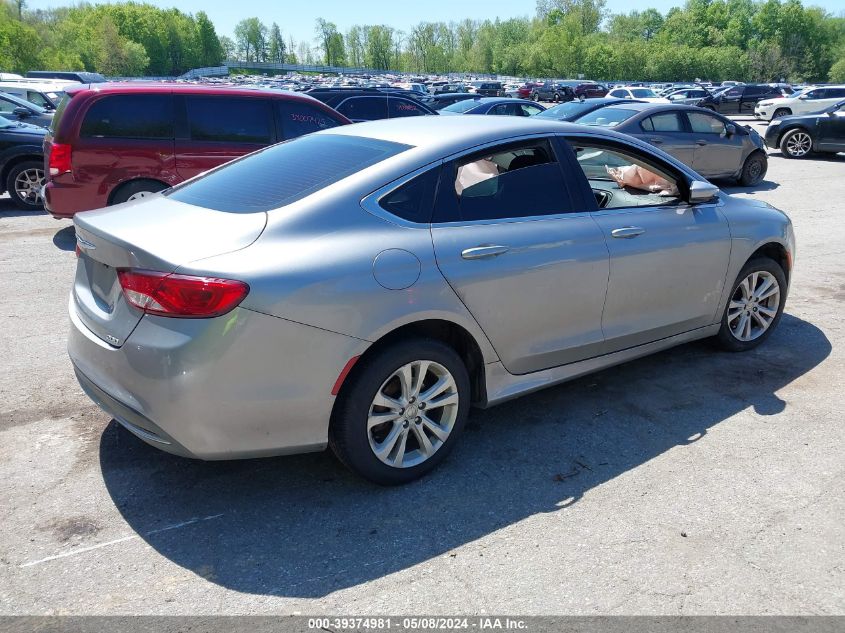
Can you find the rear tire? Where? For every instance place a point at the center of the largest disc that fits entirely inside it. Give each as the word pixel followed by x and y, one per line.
pixel 418 430
pixel 754 169
pixel 750 305
pixel 137 189
pixel 25 184
pixel 796 143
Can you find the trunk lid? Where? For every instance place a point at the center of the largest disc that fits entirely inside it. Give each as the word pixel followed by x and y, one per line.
pixel 153 234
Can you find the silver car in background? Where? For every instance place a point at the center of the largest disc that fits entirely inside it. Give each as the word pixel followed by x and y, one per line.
pixel 375 281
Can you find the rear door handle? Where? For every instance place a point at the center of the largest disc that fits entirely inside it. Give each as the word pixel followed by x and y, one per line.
pixel 485 251
pixel 701 142
pixel 627 232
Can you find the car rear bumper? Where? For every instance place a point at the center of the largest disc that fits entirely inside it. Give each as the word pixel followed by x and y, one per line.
pixel 237 386
pixel 65 199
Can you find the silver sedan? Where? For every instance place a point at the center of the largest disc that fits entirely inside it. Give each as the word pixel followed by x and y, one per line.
pixel 362 287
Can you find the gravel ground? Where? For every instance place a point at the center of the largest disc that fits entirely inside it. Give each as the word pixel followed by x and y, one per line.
pixel 691 482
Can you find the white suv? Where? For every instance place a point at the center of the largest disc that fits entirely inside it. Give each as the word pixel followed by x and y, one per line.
pixel 812 99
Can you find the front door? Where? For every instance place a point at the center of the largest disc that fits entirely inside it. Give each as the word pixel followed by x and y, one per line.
pixel 668 259
pixel 832 131
pixel 717 154
pixel 529 263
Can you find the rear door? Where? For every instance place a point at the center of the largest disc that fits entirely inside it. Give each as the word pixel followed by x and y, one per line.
pixel 716 153
pixel 398 107
pixel 752 94
pixel 214 129
pixel 522 254
pixel 668 131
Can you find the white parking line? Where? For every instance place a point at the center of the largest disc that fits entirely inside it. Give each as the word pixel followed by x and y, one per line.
pixel 83 550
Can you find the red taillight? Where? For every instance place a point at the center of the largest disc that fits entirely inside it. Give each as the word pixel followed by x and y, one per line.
pixel 186 296
pixel 59 159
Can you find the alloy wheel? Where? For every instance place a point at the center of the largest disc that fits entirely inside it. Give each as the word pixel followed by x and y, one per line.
pixel 754 306
pixel 799 144
pixel 29 186
pixel 412 414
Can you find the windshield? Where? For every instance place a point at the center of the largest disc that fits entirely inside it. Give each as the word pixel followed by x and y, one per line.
pixel 569 110
pixel 461 106
pixel 24 103
pixel 606 117
pixel 643 93
pixel 284 173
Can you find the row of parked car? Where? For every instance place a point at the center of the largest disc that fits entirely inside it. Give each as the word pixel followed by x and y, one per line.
pixel 110 143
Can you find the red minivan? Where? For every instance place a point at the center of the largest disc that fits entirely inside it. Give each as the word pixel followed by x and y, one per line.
pixel 110 143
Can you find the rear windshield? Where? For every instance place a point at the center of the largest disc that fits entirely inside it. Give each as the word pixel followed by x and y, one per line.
pixel 284 173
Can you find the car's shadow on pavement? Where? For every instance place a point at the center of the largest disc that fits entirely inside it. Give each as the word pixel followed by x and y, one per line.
pixel 304 527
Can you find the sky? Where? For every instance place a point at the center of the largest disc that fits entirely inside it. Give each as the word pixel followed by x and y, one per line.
pixel 297 20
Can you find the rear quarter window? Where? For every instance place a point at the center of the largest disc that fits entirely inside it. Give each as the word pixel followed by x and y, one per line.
pixel 364 108
pixel 284 173
pixel 129 116
pixel 296 119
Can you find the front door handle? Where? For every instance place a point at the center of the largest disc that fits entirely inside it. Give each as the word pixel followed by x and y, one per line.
pixel 656 141
pixel 485 251
pixel 627 232
pixel 701 142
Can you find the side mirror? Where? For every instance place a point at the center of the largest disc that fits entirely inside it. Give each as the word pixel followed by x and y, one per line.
pixel 21 112
pixel 730 129
pixel 700 191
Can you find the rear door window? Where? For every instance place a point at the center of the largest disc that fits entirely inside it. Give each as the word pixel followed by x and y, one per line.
pixel 229 120
pixel 296 119
pixel 129 116
pixel 513 181
pixel 364 108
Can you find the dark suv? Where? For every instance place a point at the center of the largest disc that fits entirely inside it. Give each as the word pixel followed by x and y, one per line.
pixel 111 143
pixel 370 104
pixel 488 88
pixel 21 163
pixel 552 91
pixel 742 99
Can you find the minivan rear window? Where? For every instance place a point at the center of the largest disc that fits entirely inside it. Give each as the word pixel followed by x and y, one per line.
pixel 284 173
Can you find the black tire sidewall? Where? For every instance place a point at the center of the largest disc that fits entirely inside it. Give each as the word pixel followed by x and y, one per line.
pixel 725 338
pixel 745 179
pixel 348 436
pixel 780 112
pixel 10 184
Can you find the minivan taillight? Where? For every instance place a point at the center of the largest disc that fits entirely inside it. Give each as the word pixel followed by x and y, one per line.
pixel 59 159
pixel 185 296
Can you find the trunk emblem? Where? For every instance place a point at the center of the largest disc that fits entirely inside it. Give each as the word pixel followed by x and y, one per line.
pixel 83 243
pixel 112 339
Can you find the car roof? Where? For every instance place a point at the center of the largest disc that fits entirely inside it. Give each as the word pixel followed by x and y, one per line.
pixel 441 136
pixel 643 106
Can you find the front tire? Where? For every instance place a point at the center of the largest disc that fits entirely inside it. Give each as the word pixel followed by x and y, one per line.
pixel 25 184
pixel 754 307
pixel 401 412
pixel 781 112
pixel 754 169
pixel 796 143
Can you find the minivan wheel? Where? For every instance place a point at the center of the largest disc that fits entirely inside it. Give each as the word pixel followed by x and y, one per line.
pixel 754 169
pixel 25 184
pixel 755 305
pixel 137 189
pixel 796 143
pixel 401 412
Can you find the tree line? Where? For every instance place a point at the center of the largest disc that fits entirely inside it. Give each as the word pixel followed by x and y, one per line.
pixel 751 40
